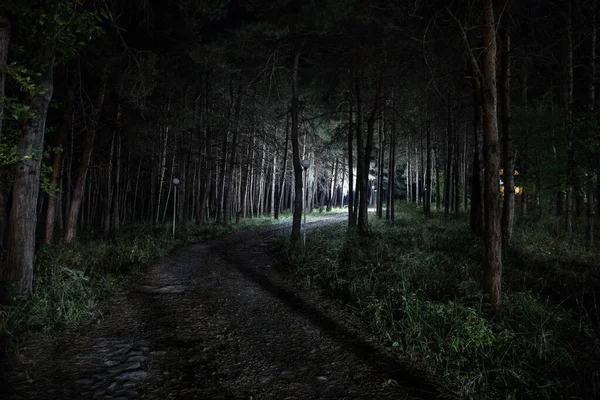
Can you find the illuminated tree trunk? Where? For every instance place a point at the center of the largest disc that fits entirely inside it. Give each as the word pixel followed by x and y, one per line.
pixel 361 179
pixel 351 215
pixel 279 193
pixel 447 173
pixel 294 111
pixel 380 169
pixel 228 191
pixel 427 192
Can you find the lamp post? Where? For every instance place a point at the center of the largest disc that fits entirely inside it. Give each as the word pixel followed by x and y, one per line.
pixel 373 196
pixel 305 165
pixel 175 182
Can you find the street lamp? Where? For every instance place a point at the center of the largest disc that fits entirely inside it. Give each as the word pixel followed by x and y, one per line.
pixel 374 196
pixel 305 165
pixel 175 182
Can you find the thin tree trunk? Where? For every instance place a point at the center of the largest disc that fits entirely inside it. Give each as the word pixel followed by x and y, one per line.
pixel 362 212
pixel 568 99
pixel 86 156
pixel 448 163
pixel 508 213
pixel 57 168
pixel 283 170
pixel 116 207
pixel 228 191
pixel 389 211
pixel 427 192
pixel 297 216
pixel 206 182
pixel 223 165
pixel 380 169
pixel 361 175
pixel 108 189
pixel 351 215
pixel 163 170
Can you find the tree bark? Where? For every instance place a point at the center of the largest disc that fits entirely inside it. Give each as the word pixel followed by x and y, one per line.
pixel 279 193
pixel 86 155
pixel 447 175
pixel 477 206
pixel 568 99
pixel 492 281
pixel 228 191
pixel 427 192
pixel 351 215
pixel 294 111
pixel 5 30
pixel 363 226
pixel 508 213
pixel 57 167
pixel 17 271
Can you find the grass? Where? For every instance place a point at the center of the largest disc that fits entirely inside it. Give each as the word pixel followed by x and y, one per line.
pixel 417 283
pixel 71 282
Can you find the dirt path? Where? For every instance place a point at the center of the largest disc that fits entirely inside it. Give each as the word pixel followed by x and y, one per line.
pixel 217 320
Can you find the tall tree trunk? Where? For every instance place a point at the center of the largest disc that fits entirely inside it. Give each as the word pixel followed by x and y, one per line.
pixel 568 99
pixel 5 29
pixel 361 176
pixel 223 164
pixel 524 171
pixel 297 213
pixel 206 182
pixel 228 191
pixel 363 227
pixel 477 206
pixel 162 172
pixel 351 215
pixel 427 192
pixel 391 175
pixel 492 280
pixel 591 209
pixel 17 271
pixel 380 169
pixel 108 189
pixel 57 167
pixel 116 206
pixel 86 156
pixel 279 194
pixel 447 176
pixel 508 213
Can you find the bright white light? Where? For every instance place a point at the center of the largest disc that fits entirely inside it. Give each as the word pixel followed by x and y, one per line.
pixel 175 181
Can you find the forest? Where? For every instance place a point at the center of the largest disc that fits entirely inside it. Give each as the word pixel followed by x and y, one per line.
pixel 456 144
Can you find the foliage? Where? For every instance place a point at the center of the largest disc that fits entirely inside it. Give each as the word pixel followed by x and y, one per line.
pixel 417 284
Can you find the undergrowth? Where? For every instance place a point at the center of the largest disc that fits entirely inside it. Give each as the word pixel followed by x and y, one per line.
pixel 417 283
pixel 71 281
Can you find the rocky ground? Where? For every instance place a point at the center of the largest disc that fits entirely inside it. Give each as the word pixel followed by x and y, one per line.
pixel 216 320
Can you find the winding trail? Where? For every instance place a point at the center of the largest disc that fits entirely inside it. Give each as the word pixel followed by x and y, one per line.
pixel 217 320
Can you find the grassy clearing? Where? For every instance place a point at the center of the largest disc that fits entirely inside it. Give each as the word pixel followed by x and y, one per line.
pixel 72 281
pixel 417 282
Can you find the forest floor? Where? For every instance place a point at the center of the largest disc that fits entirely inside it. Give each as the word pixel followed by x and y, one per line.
pixel 216 320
